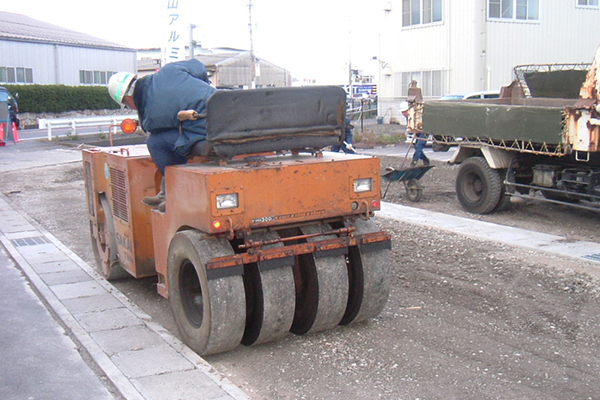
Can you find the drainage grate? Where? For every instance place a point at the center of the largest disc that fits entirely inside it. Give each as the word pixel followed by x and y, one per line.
pixel 31 241
pixel 593 257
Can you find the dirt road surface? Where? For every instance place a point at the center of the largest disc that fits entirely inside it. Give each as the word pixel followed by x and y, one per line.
pixel 466 319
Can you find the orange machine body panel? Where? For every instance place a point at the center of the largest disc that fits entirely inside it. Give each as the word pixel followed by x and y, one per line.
pixel 279 190
pixel 271 191
pixel 276 191
pixel 125 175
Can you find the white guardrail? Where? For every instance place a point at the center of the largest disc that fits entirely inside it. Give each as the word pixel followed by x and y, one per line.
pixel 113 120
pixel 73 123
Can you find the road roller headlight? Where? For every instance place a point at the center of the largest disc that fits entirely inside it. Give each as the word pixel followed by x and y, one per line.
pixel 363 185
pixel 227 201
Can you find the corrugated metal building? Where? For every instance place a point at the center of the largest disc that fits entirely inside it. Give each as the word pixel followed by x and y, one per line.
pixel 461 46
pixel 35 52
pixel 235 71
pixel 227 68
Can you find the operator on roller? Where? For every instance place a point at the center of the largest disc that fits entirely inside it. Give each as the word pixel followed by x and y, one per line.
pixel 177 86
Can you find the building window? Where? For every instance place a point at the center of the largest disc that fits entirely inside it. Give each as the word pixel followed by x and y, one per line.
pixel 94 77
pixel 588 3
pixel 16 75
pixel 432 83
pixel 520 10
pixel 418 12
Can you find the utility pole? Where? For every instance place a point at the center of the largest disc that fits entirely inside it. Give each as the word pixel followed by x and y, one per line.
pixel 252 56
pixel 350 86
pixel 192 42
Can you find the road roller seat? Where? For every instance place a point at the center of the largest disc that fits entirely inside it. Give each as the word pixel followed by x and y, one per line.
pixel 273 120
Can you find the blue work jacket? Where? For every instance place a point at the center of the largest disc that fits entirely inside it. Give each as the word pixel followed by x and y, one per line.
pixel 177 86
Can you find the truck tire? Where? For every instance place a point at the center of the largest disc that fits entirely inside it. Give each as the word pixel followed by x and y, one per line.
pixel 504 203
pixel 478 186
pixel 210 313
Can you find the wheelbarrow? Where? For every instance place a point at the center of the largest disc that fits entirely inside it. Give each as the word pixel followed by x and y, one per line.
pixel 410 177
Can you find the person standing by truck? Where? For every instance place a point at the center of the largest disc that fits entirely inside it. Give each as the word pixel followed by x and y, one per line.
pixel 177 86
pixel 419 139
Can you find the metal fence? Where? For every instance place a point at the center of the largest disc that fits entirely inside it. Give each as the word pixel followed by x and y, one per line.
pixel 361 110
pixel 72 124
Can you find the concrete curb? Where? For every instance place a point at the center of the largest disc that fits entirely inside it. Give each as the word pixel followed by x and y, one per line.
pixel 553 244
pixel 150 364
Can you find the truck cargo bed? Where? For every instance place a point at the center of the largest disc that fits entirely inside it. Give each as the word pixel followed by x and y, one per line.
pixel 537 120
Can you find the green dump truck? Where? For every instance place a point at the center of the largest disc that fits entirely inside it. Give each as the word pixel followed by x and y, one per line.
pixel 539 140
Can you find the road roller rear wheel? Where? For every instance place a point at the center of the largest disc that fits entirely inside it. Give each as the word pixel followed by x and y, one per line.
pixel 323 296
pixel 369 278
pixel 271 297
pixel 210 314
pixel 104 242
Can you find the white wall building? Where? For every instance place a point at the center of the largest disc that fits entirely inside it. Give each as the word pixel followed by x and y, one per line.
pixel 459 46
pixel 35 52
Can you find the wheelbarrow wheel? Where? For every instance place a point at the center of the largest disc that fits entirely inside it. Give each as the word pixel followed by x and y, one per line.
pixel 414 192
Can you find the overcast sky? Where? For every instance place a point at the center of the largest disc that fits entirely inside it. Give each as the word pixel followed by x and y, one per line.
pixel 311 38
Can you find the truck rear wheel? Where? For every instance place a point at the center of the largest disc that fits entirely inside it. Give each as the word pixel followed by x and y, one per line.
pixel 210 313
pixel 478 186
pixel 504 203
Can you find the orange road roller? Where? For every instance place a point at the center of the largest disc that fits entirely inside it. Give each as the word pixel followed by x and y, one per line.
pixel 264 233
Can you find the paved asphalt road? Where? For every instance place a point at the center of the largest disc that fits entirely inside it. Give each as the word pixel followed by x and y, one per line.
pixel 39 358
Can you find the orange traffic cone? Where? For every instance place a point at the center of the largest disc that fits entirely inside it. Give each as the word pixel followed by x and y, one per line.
pixel 15 133
pixel 2 126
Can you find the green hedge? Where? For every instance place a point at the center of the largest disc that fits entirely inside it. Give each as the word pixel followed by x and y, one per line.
pixel 61 98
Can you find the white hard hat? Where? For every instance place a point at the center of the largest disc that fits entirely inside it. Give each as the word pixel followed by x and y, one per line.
pixel 404 106
pixel 119 84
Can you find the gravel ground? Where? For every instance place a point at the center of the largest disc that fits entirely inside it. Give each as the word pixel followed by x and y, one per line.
pixel 466 319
